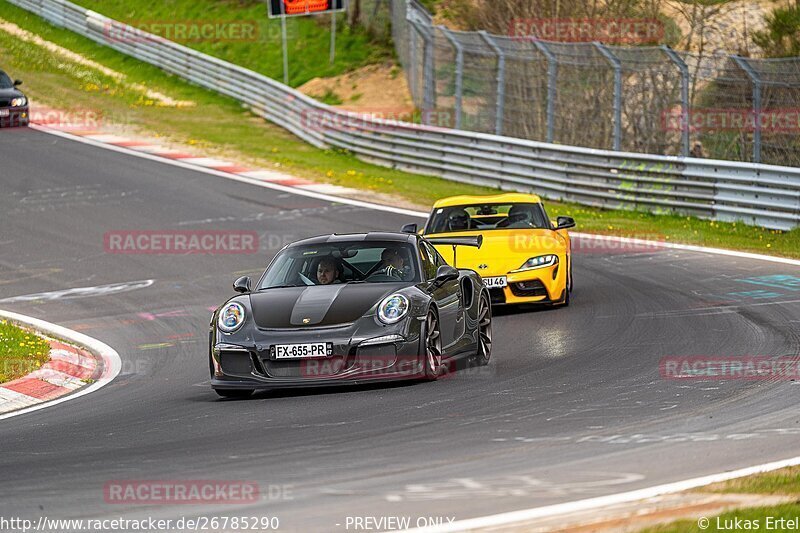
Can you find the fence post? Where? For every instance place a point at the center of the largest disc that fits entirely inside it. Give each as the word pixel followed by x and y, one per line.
pixel 681 64
pixel 552 77
pixel 756 79
pixel 412 62
pixel 459 89
pixel 428 81
pixel 614 62
pixel 429 76
pixel 501 83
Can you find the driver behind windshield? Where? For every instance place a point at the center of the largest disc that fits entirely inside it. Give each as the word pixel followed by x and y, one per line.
pixel 392 263
pixel 328 271
pixel 521 216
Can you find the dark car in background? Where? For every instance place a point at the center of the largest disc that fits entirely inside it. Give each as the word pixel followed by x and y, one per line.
pixel 350 309
pixel 13 104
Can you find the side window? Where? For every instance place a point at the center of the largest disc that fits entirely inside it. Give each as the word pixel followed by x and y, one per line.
pixel 428 264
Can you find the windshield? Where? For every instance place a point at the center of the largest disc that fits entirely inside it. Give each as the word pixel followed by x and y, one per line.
pixel 486 217
pixel 5 81
pixel 347 262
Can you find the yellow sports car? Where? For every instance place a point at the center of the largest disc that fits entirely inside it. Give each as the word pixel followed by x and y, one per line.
pixel 525 258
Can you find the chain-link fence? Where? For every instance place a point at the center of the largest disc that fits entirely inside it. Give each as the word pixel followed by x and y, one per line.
pixel 647 99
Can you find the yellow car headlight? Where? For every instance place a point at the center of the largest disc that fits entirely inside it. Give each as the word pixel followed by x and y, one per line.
pixel 540 261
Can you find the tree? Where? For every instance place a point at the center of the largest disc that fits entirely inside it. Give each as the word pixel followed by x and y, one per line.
pixel 782 36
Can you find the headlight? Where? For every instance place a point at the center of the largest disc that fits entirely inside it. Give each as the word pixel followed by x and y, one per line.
pixel 231 317
pixel 393 308
pixel 539 262
pixel 19 102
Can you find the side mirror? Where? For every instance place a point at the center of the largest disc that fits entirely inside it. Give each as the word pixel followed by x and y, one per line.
pixel 17 82
pixel 565 222
pixel 409 228
pixel 446 273
pixel 242 284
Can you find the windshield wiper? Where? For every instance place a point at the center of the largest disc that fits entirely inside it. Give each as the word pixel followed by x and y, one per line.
pixel 279 287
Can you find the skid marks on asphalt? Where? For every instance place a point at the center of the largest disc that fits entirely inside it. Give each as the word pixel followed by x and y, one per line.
pixel 522 485
pixel 8 277
pixel 654 438
pixel 53 198
pixel 281 214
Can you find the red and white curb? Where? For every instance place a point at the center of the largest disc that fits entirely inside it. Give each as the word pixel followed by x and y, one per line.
pixel 74 369
pixel 157 150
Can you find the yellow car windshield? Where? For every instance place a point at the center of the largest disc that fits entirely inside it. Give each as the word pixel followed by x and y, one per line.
pixel 487 217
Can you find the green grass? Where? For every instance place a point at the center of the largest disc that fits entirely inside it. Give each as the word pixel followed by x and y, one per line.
pixel 308 37
pixel 220 126
pixel 21 352
pixel 783 481
pixel 726 521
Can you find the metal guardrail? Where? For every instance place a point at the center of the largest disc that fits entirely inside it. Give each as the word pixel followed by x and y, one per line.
pixel 763 195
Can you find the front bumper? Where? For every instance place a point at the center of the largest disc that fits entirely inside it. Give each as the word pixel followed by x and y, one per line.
pixel 17 116
pixel 354 359
pixel 542 285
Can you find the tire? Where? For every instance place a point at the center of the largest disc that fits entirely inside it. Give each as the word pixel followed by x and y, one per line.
pixel 567 289
pixel 432 349
pixel 484 352
pixel 571 281
pixel 235 393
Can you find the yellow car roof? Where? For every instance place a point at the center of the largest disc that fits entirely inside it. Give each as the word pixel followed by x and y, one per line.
pixel 505 198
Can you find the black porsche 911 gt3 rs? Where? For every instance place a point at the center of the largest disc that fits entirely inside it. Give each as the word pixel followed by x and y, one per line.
pixel 350 309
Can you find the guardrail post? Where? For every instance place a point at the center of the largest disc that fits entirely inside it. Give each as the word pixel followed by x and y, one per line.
pixel 756 80
pixel 552 77
pixel 459 89
pixel 501 83
pixel 681 64
pixel 617 66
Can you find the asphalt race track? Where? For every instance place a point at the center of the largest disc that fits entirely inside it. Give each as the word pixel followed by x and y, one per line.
pixel 572 406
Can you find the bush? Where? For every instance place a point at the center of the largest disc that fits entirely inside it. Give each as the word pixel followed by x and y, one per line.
pixel 782 36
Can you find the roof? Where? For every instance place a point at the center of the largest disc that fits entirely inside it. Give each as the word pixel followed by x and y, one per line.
pixel 505 198
pixel 357 237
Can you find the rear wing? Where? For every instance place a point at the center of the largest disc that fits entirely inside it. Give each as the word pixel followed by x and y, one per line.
pixel 455 242
pixel 475 242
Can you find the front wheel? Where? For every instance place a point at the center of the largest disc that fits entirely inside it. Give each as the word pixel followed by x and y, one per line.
pixel 484 352
pixel 433 347
pixel 235 393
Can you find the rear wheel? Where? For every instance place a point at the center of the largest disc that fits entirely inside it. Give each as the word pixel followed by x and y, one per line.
pixel 484 331
pixel 433 347
pixel 235 393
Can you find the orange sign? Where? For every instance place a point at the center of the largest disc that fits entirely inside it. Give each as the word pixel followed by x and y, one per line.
pixel 295 7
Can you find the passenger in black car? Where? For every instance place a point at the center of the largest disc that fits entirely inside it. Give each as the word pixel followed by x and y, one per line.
pixel 392 263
